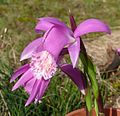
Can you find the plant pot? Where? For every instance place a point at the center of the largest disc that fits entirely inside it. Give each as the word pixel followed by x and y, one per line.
pixel 107 111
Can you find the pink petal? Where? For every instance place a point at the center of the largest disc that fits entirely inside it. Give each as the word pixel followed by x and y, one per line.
pixel 20 71
pixel 25 77
pixel 53 20
pixel 27 52
pixel 43 26
pixel 29 85
pixel 56 40
pixel 47 23
pixel 33 92
pixel 76 76
pixel 74 51
pixel 89 26
pixel 43 87
pixel 43 84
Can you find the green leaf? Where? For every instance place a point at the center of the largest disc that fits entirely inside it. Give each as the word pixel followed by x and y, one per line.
pixel 88 100
pixel 92 76
pixel 90 69
pixel 96 106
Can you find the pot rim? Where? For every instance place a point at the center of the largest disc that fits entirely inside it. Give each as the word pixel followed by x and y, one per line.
pixel 83 109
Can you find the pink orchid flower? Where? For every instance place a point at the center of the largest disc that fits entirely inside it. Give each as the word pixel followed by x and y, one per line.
pixel 45 54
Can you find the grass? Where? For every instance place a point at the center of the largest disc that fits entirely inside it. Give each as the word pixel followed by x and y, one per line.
pixel 17 21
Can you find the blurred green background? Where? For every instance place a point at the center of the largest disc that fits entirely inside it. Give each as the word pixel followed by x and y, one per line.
pixel 17 22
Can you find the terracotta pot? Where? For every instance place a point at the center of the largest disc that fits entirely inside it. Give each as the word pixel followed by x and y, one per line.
pixel 107 111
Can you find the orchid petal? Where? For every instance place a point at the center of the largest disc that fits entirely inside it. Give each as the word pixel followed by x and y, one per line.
pixel 53 20
pixel 43 84
pixel 74 51
pixel 89 26
pixel 43 26
pixel 56 40
pixel 47 23
pixel 76 76
pixel 33 92
pixel 27 52
pixel 42 89
pixel 29 85
pixel 25 77
pixel 20 71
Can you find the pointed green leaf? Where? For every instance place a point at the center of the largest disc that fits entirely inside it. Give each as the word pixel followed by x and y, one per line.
pixel 90 69
pixel 96 107
pixel 88 100
pixel 92 76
